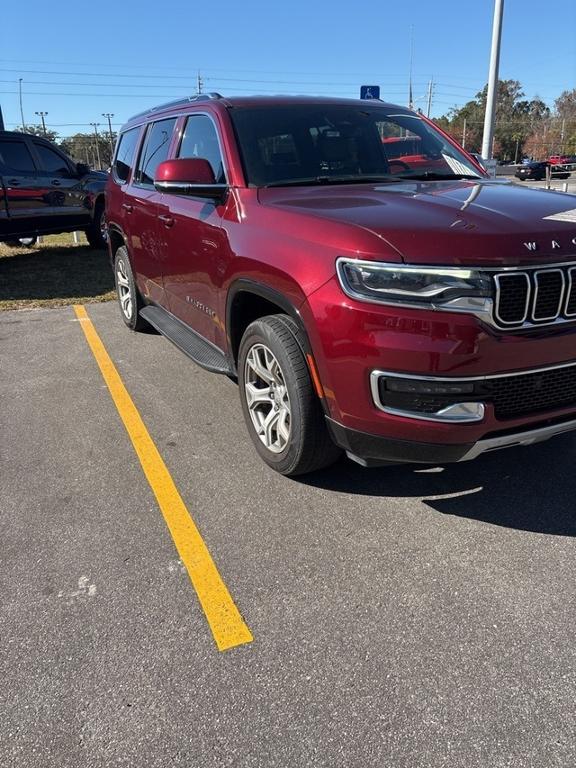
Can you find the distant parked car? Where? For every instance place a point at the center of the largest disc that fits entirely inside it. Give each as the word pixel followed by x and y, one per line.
pixel 42 192
pixel 559 159
pixel 537 172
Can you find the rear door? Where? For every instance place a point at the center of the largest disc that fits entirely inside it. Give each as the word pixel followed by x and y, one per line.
pixel 27 206
pixel 67 201
pixel 141 196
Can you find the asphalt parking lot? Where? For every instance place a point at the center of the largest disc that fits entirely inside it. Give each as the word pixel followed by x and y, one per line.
pixel 400 617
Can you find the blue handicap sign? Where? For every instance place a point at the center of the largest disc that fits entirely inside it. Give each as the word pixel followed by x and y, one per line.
pixel 369 91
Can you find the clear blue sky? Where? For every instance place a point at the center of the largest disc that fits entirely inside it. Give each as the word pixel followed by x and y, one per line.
pixel 78 60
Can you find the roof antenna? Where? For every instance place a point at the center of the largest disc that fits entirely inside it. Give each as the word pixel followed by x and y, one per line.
pixel 410 95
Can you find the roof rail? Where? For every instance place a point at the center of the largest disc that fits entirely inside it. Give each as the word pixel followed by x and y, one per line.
pixel 178 102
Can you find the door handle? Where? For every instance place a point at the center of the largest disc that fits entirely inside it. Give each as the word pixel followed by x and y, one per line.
pixel 128 208
pixel 56 183
pixel 168 221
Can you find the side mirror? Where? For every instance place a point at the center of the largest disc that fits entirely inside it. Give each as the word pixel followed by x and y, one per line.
pixel 82 169
pixel 189 176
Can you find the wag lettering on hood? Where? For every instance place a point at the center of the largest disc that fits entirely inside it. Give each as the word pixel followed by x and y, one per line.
pixel 554 244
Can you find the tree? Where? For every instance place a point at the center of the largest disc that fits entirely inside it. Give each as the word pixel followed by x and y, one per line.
pixel 38 130
pixel 516 120
pixel 84 148
pixel 565 105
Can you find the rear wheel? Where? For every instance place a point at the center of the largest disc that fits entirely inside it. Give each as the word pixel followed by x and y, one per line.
pixel 129 297
pixel 282 412
pixel 96 234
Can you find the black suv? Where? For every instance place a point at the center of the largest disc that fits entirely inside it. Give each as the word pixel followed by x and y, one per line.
pixel 42 191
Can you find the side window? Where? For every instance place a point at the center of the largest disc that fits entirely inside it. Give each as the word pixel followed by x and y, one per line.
pixel 52 162
pixel 15 157
pixel 155 150
pixel 124 160
pixel 201 140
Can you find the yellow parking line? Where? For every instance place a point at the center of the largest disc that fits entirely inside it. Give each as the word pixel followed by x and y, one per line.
pixel 223 616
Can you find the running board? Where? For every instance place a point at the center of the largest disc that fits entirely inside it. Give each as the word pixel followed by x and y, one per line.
pixel 187 341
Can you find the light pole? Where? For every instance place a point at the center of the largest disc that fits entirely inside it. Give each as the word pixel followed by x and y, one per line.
pixel 97 144
pixel 109 115
pixel 492 95
pixel 21 109
pixel 42 116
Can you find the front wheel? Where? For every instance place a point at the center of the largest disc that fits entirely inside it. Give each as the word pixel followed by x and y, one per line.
pixel 282 412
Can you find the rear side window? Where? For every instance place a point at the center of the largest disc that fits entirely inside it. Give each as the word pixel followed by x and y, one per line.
pixel 15 157
pixel 52 162
pixel 201 140
pixel 155 150
pixel 125 153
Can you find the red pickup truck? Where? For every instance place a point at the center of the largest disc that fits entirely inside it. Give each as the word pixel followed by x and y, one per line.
pixel 401 307
pixel 42 191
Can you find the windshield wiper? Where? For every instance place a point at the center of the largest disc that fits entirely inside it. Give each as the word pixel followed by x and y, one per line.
pixel 328 180
pixel 434 176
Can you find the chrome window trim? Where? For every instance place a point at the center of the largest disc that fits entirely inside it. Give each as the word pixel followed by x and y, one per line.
pixel 497 300
pixel 535 301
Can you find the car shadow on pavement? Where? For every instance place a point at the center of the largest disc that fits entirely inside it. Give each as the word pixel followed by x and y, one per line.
pixel 530 489
pixel 55 274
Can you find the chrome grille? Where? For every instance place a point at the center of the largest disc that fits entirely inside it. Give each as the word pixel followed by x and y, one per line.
pixel 535 296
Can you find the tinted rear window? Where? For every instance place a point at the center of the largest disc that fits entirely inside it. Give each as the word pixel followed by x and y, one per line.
pixel 15 156
pixel 124 161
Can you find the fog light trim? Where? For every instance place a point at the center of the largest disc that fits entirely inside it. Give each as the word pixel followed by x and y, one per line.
pixel 455 413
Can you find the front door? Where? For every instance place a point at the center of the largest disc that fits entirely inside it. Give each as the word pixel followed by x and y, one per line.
pixel 194 240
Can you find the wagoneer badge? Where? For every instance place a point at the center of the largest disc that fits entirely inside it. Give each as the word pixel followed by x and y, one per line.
pixel 555 245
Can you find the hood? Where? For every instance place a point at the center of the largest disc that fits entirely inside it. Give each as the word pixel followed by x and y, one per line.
pixel 480 222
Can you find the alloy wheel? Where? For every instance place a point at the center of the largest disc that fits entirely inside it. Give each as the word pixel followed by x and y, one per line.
pixel 124 290
pixel 267 398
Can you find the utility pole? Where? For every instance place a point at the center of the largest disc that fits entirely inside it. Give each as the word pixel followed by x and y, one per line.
pixel 199 83
pixel 430 91
pixel 97 143
pixel 464 135
pixel 42 116
pixel 492 95
pixel 109 115
pixel 21 109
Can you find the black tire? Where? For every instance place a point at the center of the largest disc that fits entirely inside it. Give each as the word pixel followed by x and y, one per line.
pixel 21 242
pixel 308 446
pixel 96 232
pixel 129 298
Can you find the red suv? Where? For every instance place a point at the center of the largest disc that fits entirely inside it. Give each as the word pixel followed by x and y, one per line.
pixel 400 309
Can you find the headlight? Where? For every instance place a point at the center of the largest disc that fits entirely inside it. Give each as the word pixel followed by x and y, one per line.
pixel 430 287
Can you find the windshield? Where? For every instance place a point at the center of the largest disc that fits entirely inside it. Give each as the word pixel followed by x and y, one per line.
pixel 335 144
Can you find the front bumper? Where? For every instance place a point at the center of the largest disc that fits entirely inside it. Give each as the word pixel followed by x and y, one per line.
pixel 351 341
pixel 373 450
